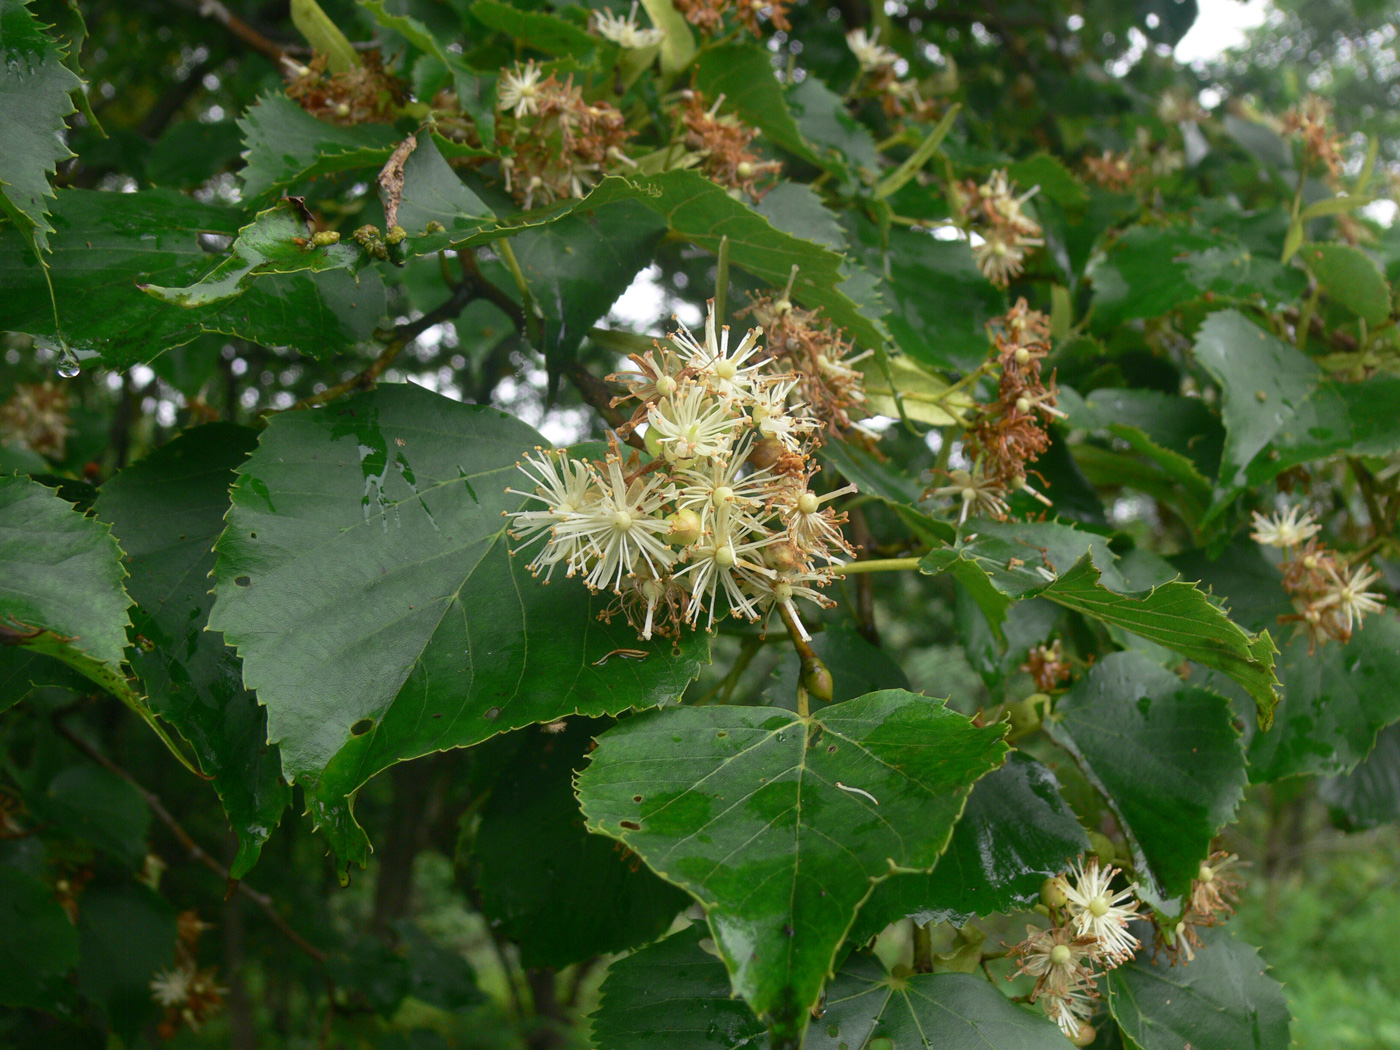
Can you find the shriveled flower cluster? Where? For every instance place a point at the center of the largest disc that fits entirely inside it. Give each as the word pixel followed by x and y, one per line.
pixel 704 528
pixel 879 67
pixel 995 213
pixel 812 348
pixel 708 15
pixel 36 415
pixel 1114 171
pixel 560 144
pixel 1089 931
pixel 723 142
pixel 1047 665
pixel 367 94
pixel 189 994
pixel 1010 432
pixel 1329 595
pixel 1310 120
pixel 1214 894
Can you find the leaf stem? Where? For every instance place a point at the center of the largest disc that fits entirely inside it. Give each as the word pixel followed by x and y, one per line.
pixel 813 676
pixel 876 565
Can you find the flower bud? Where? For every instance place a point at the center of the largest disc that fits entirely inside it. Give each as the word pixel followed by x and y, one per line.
pixel 1102 846
pixel 766 452
pixel 1085 1035
pixel 685 528
pixel 1052 893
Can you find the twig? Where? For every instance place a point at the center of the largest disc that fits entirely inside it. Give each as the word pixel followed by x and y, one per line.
pixel 403 335
pixel 865 593
pixel 216 11
pixel 195 851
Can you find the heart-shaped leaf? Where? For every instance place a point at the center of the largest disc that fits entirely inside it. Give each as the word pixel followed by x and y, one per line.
pixel 781 824
pixel 365 578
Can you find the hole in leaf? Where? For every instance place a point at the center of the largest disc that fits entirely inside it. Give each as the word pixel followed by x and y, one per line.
pixel 242 581
pixel 361 727
pixel 252 535
pixel 636 798
pixel 631 825
pixel 722 732
pixel 492 712
pixel 831 749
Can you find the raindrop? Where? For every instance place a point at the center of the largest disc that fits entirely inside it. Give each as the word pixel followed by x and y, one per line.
pixel 68 366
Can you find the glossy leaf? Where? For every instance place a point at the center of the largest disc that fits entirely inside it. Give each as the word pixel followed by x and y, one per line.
pixel 1350 278
pixel 61 591
pixel 1179 434
pixel 1176 615
pixel 558 870
pixel 767 819
pixel 1222 1000
pixel 578 266
pixel 33 927
pixel 286 146
pixel 167 510
pixel 867 1008
pixel 743 74
pixel 540 31
pixel 1165 755
pixel 673 995
pixel 841 141
pixel 104 244
pixel 266 246
pixel 1151 270
pixel 939 302
pixel 1334 702
pixel 365 579
pixel 1369 795
pixel 1280 409
pixel 701 212
pixel 1015 832
pixel 36 96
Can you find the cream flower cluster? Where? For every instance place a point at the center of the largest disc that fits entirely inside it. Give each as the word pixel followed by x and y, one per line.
pixel 723 519
pixel 1093 932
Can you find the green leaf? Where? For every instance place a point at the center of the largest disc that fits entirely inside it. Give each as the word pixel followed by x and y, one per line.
pixel 1334 702
pixel 939 301
pixel 125 935
pixel 34 927
pixel 1176 615
pixel 923 395
pixel 528 882
pixel 106 243
pixel 365 579
pixel 795 208
pixel 741 808
pixel 1149 271
pixel 823 121
pixel 537 30
pixel 35 96
pixel 1221 1000
pixel 743 74
pixel 1179 434
pixel 265 246
pixel 673 995
pixel 1349 277
pixel 287 146
pixel 1369 795
pixel 61 590
pixel 1015 832
pixel 701 212
pixel 1280 410
pixel 100 808
pixel 432 192
pixel 867 1008
pixel 1054 179
pixel 1166 757
pixel 166 510
pixel 578 266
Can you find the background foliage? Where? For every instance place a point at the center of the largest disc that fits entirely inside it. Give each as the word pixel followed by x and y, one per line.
pixel 282 719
